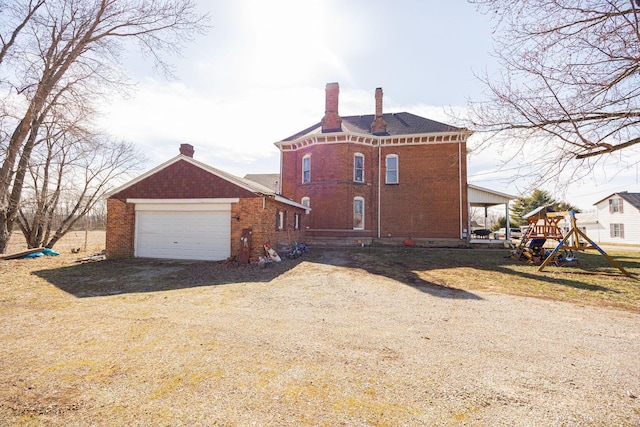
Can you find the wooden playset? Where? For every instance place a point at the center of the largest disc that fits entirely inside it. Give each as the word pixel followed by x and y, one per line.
pixel 544 224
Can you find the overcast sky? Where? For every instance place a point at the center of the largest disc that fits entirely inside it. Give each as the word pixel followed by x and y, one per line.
pixel 259 74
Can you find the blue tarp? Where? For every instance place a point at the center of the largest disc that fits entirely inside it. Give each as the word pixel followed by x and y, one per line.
pixel 46 251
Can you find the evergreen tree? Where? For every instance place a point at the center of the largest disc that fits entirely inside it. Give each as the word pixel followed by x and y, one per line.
pixel 526 204
pixel 502 223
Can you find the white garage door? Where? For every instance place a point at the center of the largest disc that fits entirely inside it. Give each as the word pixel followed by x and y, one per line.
pixel 197 235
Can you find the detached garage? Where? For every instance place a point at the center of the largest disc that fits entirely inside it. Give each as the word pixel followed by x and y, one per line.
pixel 184 209
pixel 182 230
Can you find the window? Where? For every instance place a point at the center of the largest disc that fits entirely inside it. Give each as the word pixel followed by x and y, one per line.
pixel 392 169
pixel 615 205
pixel 358 167
pixel 617 230
pixel 296 221
pixel 306 202
pixel 281 220
pixel 358 213
pixel 306 169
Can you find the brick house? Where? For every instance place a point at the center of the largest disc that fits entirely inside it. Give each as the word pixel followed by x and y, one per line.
pixel 185 209
pixel 378 176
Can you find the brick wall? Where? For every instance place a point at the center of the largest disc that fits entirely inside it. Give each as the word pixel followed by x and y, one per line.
pixel 332 189
pixel 120 229
pixel 424 204
pixel 259 214
pixel 426 201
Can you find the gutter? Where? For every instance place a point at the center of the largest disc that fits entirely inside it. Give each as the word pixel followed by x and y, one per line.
pixel 291 203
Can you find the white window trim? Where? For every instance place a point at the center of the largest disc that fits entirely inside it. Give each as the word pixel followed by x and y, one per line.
pixel 296 221
pixel 355 156
pixel 616 205
pixel 386 169
pixel 359 199
pixel 280 225
pixel 304 158
pixel 620 231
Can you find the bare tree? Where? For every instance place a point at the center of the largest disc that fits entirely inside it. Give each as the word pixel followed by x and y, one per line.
pixel 21 15
pixel 59 51
pixel 69 173
pixel 568 89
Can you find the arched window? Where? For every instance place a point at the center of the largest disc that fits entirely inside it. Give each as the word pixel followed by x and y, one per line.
pixel 358 213
pixel 306 202
pixel 306 169
pixel 391 164
pixel 358 167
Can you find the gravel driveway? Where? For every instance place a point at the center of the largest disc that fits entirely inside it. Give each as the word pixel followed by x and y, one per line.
pixel 319 345
pixel 451 357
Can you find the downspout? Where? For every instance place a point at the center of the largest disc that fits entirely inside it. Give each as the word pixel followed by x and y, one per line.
pixel 379 183
pixel 281 162
pixel 460 179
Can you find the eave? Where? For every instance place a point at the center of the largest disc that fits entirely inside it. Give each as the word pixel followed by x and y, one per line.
pixel 454 137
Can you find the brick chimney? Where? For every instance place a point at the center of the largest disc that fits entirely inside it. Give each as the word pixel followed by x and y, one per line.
pixel 187 150
pixel 379 126
pixel 331 122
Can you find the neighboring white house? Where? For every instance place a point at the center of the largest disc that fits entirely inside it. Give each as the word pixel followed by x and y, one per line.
pixel 588 223
pixel 618 217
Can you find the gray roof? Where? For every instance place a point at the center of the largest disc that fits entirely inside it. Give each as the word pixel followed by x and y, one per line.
pixel 536 211
pixel 633 198
pixel 587 218
pixel 269 180
pixel 242 182
pixel 397 124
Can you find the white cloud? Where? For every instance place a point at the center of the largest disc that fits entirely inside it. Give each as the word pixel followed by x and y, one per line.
pixel 235 133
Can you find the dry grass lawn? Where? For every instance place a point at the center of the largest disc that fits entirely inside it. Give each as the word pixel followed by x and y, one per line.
pixel 359 337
